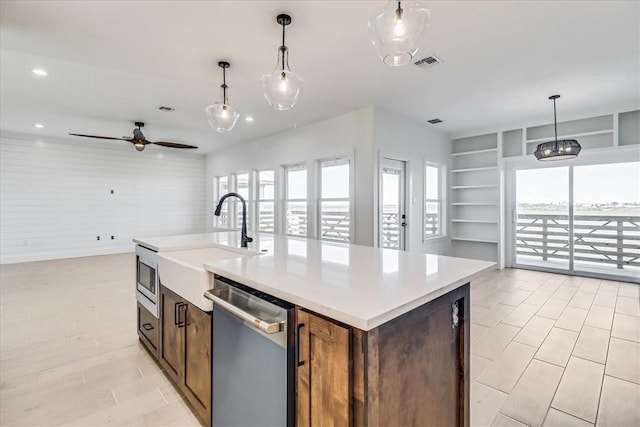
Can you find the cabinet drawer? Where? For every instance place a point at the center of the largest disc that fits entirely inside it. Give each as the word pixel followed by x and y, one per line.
pixel 148 328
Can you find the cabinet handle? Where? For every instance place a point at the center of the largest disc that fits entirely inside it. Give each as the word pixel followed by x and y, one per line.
pixel 298 361
pixel 182 323
pixel 176 313
pixel 147 326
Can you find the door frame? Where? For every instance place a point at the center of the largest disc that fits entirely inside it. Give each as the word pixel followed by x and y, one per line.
pixel 403 237
pixel 594 157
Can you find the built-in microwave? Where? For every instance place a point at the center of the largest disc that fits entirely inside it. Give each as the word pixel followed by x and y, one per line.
pixel 147 279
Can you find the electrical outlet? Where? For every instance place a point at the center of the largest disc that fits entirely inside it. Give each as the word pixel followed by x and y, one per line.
pixel 113 237
pixel 97 237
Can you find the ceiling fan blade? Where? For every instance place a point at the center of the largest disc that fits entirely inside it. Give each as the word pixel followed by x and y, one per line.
pixel 99 137
pixel 172 144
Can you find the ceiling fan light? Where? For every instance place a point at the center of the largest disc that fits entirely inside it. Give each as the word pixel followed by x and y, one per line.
pixel 222 117
pixel 139 146
pixel 395 31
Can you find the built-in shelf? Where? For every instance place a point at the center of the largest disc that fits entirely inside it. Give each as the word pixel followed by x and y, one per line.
pixel 469 187
pixel 464 153
pixel 487 168
pixel 473 204
pixel 465 239
pixel 475 221
pixel 573 136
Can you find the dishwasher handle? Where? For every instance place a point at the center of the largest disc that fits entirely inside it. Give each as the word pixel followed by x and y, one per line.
pixel 266 327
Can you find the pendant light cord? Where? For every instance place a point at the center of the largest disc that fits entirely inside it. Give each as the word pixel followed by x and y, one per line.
pixel 224 86
pixel 555 126
pixel 283 48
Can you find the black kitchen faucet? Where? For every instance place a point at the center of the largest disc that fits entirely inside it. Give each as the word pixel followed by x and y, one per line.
pixel 244 239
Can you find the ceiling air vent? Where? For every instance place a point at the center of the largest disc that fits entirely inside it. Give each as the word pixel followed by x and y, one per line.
pixel 428 61
pixel 166 109
pixel 434 121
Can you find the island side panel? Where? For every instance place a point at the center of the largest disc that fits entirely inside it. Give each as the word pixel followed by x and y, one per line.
pixel 417 366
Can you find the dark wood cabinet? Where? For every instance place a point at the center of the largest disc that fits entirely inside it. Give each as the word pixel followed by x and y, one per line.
pixel 172 345
pixel 412 370
pixel 148 329
pixel 185 350
pixel 197 351
pixel 323 373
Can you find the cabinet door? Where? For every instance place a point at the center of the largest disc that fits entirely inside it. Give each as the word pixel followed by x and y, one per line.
pixel 421 365
pixel 197 373
pixel 172 346
pixel 323 375
pixel 148 329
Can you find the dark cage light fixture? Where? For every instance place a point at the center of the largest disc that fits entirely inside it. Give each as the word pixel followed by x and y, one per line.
pixel 557 150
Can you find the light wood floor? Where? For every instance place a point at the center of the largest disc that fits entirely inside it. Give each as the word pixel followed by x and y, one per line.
pixel 546 349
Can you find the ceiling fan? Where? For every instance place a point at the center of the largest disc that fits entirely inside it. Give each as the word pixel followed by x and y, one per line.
pixel 138 140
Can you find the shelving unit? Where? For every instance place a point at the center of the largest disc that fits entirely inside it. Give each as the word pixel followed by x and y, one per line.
pixel 477 193
pixel 475 197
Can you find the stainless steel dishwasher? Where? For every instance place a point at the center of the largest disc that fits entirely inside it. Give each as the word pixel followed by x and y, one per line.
pixel 252 359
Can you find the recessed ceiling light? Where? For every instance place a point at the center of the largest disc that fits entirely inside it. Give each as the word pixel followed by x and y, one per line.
pixel 39 72
pixel 248 119
pixel 38 126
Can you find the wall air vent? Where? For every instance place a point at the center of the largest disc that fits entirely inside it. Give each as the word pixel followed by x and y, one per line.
pixel 428 61
pixel 434 121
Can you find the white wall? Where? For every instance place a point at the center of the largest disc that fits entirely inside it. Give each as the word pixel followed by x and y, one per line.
pixel 363 134
pixel 400 138
pixel 348 135
pixel 56 196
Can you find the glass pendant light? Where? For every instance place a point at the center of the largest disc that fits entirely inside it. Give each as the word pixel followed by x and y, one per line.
pixel 395 31
pixel 222 117
pixel 282 86
pixel 557 150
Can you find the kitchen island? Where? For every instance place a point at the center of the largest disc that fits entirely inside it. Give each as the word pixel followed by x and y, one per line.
pixel 382 336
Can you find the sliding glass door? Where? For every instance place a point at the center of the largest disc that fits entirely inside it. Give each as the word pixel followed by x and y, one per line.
pixel 542 217
pixel 606 221
pixel 581 219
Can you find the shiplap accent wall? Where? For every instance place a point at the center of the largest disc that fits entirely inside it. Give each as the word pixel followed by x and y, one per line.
pixel 55 196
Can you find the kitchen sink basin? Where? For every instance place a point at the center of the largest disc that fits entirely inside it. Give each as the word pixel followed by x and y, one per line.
pixel 183 272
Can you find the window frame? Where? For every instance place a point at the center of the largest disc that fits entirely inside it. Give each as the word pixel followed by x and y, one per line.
pixel 260 200
pixel 216 198
pixel 320 164
pixel 286 200
pixel 440 200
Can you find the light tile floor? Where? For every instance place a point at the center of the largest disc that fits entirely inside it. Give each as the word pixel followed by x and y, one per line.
pixel 547 350
pixel 554 350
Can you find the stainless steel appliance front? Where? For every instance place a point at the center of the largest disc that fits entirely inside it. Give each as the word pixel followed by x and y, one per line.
pixel 147 279
pixel 253 357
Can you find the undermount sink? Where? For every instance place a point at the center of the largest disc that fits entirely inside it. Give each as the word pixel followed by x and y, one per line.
pixel 183 272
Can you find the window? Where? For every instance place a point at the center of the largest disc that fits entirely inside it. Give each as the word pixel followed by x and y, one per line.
pixel 295 203
pixel 220 188
pixel 266 205
pixel 335 215
pixel 433 200
pixel 242 188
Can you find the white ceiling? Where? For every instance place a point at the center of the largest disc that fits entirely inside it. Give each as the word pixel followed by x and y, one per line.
pixel 113 62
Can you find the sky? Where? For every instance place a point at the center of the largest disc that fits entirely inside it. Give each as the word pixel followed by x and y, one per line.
pixel 614 182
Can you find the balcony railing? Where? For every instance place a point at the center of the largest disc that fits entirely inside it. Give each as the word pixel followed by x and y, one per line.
pixel 599 239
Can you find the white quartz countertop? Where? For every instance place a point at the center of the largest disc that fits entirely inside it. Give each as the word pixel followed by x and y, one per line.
pixel 361 286
pixel 358 285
